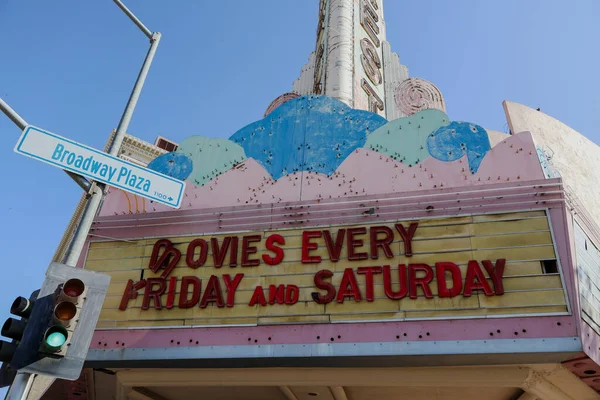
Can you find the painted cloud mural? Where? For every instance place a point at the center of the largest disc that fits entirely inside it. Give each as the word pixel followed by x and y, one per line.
pixel 308 133
pixel 316 147
pixel 317 133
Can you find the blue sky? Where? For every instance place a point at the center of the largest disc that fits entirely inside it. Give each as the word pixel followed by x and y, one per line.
pixel 69 67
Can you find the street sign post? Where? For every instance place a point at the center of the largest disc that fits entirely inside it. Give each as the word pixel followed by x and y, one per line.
pixel 26 383
pixel 84 160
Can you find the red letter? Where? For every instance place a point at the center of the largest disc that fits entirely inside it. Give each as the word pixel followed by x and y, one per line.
pixel 321 284
pixel 407 237
pixel 292 293
pixel 440 270
pixel 307 246
pixel 233 252
pixel 383 243
pixel 171 292
pixel 258 297
pixel 276 294
pixel 153 265
pixel 231 287
pixel 247 250
pixel 352 243
pixel 334 249
pixel 277 250
pixel 474 272
pixel 387 282
pixel 413 281
pixel 186 281
pixel 348 287
pixel 155 294
pixel 496 273
pixel 191 250
pixel 219 253
pixel 212 293
pixel 130 292
pixel 368 272
pixel 167 260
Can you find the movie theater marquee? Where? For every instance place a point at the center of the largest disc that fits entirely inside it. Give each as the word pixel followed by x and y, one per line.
pixel 487 265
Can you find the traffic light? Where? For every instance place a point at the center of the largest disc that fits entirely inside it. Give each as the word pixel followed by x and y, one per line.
pixel 68 303
pixel 14 329
pixel 55 337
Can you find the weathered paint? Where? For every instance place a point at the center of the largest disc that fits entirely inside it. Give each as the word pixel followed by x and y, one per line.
pixel 414 94
pixel 469 329
pixel 567 151
pixel 175 165
pixel 549 171
pixel 445 201
pixel 526 290
pixel 305 83
pixel 210 157
pixel 308 133
pixel 588 277
pixel 405 139
pixel 441 202
pixel 394 73
pixel 364 172
pixel 450 143
pixel 502 197
pixel 360 77
pixel 339 66
pixel 279 101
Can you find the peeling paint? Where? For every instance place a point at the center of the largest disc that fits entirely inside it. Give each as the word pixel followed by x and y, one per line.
pixel 309 133
pixel 452 142
pixel 405 139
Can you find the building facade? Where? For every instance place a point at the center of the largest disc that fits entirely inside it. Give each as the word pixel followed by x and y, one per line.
pixel 354 243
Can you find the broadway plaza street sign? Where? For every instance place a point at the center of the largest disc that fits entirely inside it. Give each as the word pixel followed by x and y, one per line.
pixel 83 160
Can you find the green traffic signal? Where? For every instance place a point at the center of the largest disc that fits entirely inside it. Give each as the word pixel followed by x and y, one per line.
pixel 55 337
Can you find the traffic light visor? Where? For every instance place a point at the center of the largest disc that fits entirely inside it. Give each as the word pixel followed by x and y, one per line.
pixel 65 311
pixel 73 288
pixel 21 307
pixel 13 328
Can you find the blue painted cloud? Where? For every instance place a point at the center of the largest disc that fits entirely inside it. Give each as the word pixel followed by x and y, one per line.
pixel 451 142
pixel 175 165
pixel 308 133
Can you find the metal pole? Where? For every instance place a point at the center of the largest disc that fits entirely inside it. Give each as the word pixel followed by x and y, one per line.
pixel 12 115
pixel 23 381
pixel 20 387
pixel 134 19
pixel 91 208
pixel 20 122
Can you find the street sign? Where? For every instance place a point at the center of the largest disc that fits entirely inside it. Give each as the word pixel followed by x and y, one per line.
pixel 84 160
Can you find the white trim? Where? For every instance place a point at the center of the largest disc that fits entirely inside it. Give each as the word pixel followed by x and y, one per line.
pixel 560 267
pixel 333 350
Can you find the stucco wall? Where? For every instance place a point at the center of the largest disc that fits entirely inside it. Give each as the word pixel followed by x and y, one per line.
pixel 572 155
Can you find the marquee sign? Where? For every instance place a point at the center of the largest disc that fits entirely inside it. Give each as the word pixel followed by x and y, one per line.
pixel 484 265
pixel 224 251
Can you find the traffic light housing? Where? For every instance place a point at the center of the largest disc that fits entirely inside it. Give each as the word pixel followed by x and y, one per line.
pixel 68 303
pixel 14 329
pixel 56 336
